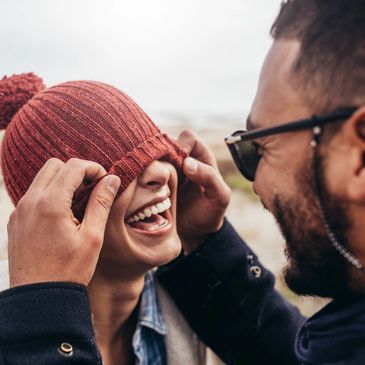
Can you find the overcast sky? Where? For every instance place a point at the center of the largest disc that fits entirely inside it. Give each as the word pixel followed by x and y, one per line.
pixel 179 56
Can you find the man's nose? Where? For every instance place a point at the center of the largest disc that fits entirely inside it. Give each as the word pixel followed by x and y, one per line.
pixel 154 176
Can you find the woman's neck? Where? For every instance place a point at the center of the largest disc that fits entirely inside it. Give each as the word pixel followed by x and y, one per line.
pixel 114 306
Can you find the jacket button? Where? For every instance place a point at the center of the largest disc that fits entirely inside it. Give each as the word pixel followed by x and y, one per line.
pixel 65 349
pixel 256 270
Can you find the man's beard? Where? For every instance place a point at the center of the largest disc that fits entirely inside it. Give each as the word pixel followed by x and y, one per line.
pixel 315 267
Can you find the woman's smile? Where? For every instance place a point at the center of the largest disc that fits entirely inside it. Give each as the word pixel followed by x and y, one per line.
pixel 152 219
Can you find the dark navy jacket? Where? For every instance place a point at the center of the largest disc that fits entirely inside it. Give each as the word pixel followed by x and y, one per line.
pixel 222 289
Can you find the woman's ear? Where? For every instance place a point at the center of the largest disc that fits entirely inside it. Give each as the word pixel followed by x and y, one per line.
pixel 355 135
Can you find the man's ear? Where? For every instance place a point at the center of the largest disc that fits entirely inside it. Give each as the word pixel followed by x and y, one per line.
pixel 355 133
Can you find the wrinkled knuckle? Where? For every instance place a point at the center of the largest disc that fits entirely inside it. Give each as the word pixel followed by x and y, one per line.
pixel 104 202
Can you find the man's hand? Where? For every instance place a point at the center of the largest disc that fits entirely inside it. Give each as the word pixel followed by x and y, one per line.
pixel 202 202
pixel 46 242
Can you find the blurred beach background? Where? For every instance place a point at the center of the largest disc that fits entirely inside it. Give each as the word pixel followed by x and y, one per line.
pixel 190 65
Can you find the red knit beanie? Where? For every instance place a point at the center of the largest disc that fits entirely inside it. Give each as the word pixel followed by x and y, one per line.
pixel 84 119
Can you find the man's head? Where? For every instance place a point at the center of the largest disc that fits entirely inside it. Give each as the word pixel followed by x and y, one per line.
pixel 315 66
pixel 329 67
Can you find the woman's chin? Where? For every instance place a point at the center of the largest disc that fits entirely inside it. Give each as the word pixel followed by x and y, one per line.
pixel 158 253
pixel 136 258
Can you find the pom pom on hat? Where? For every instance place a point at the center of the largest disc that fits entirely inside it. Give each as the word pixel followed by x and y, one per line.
pixel 15 91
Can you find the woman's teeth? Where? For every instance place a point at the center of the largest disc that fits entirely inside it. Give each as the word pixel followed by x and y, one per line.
pixel 152 210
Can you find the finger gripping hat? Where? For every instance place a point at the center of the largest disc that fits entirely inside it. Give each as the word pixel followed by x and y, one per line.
pixel 83 119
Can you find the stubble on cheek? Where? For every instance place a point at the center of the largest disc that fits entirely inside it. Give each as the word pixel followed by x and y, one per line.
pixel 314 266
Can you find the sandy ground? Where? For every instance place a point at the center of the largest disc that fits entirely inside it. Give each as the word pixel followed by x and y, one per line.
pixel 248 217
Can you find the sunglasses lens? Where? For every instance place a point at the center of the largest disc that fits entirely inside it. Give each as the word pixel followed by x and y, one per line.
pixel 246 158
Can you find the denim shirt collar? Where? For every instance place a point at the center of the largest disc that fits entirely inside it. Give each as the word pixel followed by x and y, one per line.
pixel 148 339
pixel 150 314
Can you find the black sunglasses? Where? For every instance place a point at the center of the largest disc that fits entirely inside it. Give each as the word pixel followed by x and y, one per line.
pixel 245 151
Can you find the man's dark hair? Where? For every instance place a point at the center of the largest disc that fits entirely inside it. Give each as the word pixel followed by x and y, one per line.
pixel 330 68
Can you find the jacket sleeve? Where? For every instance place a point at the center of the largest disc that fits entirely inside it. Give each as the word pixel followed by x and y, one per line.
pixel 47 324
pixel 228 298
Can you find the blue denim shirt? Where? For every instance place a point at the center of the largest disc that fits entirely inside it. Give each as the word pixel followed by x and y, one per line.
pixel 148 339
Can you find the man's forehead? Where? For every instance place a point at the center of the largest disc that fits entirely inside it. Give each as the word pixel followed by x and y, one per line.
pixel 277 99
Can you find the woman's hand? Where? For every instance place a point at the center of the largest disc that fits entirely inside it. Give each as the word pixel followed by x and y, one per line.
pixel 46 242
pixel 203 200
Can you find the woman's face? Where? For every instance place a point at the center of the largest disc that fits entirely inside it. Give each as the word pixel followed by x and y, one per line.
pixel 141 229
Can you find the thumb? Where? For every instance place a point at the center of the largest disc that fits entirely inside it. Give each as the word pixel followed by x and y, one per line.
pixel 100 203
pixel 208 178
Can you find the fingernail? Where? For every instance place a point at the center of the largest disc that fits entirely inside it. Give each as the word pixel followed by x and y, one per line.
pixel 113 184
pixel 191 164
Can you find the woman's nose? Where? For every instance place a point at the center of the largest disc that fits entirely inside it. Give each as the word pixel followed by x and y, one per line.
pixel 155 175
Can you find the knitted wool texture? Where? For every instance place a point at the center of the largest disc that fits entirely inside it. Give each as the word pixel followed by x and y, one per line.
pixel 83 119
